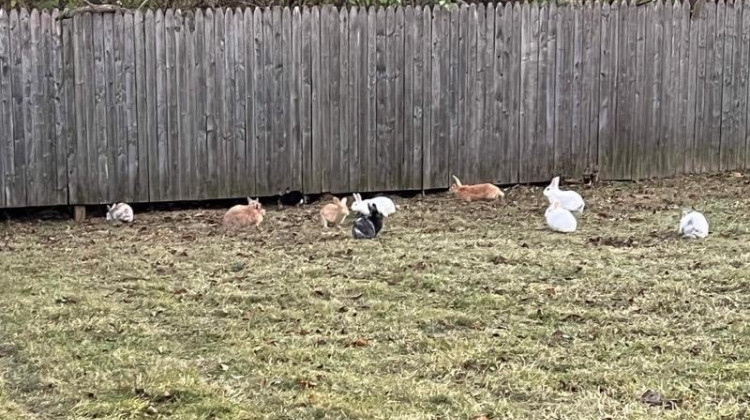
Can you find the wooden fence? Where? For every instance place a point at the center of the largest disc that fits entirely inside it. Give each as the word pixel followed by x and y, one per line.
pixel 172 105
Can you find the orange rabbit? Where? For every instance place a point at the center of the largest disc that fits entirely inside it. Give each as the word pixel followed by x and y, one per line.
pixel 334 213
pixel 478 192
pixel 241 216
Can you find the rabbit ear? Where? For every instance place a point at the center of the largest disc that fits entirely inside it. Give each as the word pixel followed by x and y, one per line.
pixel 109 208
pixel 343 201
pixel 336 200
pixel 555 181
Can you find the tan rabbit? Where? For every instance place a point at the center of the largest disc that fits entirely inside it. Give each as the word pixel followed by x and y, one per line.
pixel 334 213
pixel 478 192
pixel 242 216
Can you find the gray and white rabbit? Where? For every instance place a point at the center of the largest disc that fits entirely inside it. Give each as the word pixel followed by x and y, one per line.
pixel 120 212
pixel 368 226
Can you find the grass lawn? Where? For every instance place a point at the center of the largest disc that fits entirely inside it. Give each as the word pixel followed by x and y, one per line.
pixel 456 311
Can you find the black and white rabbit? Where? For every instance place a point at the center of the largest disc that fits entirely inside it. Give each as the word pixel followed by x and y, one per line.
pixel 368 227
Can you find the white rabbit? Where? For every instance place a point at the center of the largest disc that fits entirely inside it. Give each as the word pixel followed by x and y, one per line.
pixel 693 225
pixel 569 200
pixel 119 212
pixel 384 204
pixel 560 219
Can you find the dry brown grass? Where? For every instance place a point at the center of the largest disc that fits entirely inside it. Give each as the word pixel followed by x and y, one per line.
pixel 457 310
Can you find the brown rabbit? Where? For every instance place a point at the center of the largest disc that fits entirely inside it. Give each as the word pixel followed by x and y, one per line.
pixel 241 216
pixel 334 213
pixel 478 192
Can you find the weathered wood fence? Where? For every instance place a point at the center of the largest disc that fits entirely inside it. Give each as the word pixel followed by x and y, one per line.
pixel 163 106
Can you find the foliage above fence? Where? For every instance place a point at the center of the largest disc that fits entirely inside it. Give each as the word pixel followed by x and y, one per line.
pixel 162 106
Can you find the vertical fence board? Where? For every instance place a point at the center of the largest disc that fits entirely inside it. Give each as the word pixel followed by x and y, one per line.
pixel 248 170
pixel 171 26
pixel 323 142
pixel 469 147
pixel 578 151
pixel 681 147
pixel 189 112
pixel 745 78
pixel 6 114
pixel 339 174
pixel 729 148
pixel 496 96
pixel 694 61
pixel 229 109
pixel 606 86
pixel 544 143
pixel 340 114
pixel 136 190
pixel 259 106
pixel 487 150
pixel 162 175
pixel 563 89
pixel 639 147
pixel 276 141
pixel 620 154
pixel 459 67
pixel 306 101
pixel 529 85
pixel 317 95
pixel 295 87
pixel 99 138
pixel 183 43
pixel 381 92
pixel 67 121
pixel 427 48
pixel 408 146
pixel 705 17
pixel 117 173
pixel 716 83
pixel 437 169
pixel 401 165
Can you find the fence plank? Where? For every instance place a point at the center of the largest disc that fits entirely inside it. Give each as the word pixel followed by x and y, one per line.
pixel 117 171
pixel 671 62
pixel 488 147
pixel 578 148
pixel 640 148
pixel 137 188
pixel 593 57
pixel 37 158
pixel 25 147
pixel 296 86
pixel 381 92
pixel 460 114
pixel 744 84
pixel 147 118
pixel 247 44
pixel 338 73
pixel 477 95
pixel 306 102
pixel 57 193
pixel 514 151
pixel 67 120
pixel 681 147
pixel 529 84
pixel 317 100
pixel 437 171
pixel 323 142
pixel 700 142
pixel 199 154
pixel 498 95
pixel 289 147
pixel 401 169
pixel 716 78
pixel 544 143
pixel 191 117
pixel 563 88
pixel 625 90
pixel 162 175
pixel 339 173
pixel 608 29
pixel 79 148
pixel 427 14
pixel 273 77
pixel 6 113
pixel 692 87
pixel 104 162
pixel 223 172
pixel 351 111
pixel 259 106
pixel 416 112
pixel 469 149
pixel 184 44
pixel 729 149
pixel 229 104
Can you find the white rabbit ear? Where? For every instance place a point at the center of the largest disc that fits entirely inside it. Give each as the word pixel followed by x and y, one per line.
pixel 343 201
pixel 109 208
